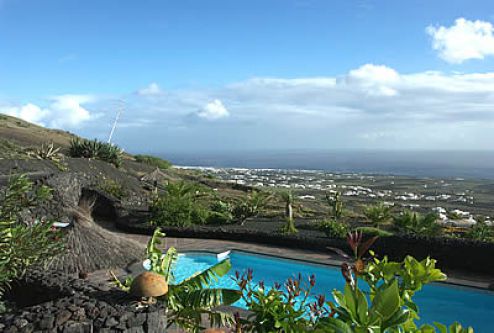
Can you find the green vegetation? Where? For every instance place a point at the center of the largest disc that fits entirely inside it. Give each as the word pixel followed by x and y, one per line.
pixel 336 205
pixel 193 297
pixel 112 187
pixel 220 212
pixel 179 206
pixel 23 243
pixel 372 231
pixel 251 205
pixel 387 307
pixel 50 153
pixel 10 150
pixel 480 232
pixel 334 229
pixel 378 214
pixel 287 198
pixel 417 224
pixel 96 149
pixel 153 160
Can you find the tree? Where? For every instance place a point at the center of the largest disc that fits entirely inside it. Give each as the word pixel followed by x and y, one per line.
pixel 251 205
pixel 417 224
pixel 378 214
pixel 287 197
pixel 336 205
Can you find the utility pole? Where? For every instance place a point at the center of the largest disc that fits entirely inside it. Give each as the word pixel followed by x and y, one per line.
pixel 120 107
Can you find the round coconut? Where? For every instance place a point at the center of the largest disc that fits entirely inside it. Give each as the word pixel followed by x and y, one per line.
pixel 149 284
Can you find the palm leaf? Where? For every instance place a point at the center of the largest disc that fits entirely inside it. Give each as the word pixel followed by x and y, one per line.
pixel 206 277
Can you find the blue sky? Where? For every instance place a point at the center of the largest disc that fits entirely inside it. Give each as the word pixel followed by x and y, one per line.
pixel 257 74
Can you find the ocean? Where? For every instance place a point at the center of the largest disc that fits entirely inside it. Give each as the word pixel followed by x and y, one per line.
pixel 437 164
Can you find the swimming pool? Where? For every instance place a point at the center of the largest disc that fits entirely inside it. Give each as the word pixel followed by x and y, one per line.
pixel 437 302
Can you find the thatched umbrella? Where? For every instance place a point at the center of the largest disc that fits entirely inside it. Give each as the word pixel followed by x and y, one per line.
pixel 90 247
pixel 156 176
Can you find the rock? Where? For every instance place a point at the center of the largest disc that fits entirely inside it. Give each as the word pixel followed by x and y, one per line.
pixel 20 322
pixel 47 322
pixel 62 317
pixel 110 322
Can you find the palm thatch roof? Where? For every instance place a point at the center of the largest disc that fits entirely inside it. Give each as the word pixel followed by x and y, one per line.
pixel 90 247
pixel 155 176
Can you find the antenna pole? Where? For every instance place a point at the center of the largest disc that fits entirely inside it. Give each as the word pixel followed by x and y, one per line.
pixel 120 109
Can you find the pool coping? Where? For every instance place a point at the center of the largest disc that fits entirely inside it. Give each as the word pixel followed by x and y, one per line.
pixel 336 263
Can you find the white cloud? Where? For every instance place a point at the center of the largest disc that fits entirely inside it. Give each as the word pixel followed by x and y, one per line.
pixel 374 79
pixel 463 41
pixel 29 112
pixel 213 110
pixel 68 110
pixel 64 111
pixel 151 90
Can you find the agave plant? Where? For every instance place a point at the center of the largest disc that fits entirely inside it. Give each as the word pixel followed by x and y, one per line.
pixel 193 297
pixel 48 152
pixel 96 149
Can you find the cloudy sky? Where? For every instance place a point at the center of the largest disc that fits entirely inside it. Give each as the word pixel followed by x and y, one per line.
pixel 213 75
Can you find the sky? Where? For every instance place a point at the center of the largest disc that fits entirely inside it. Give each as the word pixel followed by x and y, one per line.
pixel 234 75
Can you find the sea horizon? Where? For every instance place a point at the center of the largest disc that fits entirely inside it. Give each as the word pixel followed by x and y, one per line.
pixel 425 163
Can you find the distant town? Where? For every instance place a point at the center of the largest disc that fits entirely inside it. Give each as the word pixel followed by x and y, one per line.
pixel 457 202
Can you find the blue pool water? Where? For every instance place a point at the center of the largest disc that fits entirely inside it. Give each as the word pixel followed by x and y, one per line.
pixel 437 302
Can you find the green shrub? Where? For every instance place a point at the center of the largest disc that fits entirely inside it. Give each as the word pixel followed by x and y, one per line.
pixel 220 213
pixel 481 232
pixel 96 149
pixel 417 224
pixel 334 229
pixel 23 243
pixel 112 187
pixel 153 160
pixel 378 214
pixel 251 205
pixel 378 297
pixel 179 206
pixel 371 231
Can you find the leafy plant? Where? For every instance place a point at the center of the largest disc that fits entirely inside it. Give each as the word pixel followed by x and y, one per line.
pixel 378 214
pixel 334 229
pixel 112 187
pixel 220 212
pixel 336 205
pixel 23 243
pixel 480 231
pixel 416 224
pixel 96 149
pixel 251 205
pixel 188 300
pixel 276 309
pixel 153 161
pixel 179 206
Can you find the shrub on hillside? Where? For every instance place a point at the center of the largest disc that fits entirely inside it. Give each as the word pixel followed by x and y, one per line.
pixel 417 224
pixel 481 232
pixel 112 187
pixel 96 149
pixel 179 206
pixel 23 243
pixel 154 161
pixel 334 229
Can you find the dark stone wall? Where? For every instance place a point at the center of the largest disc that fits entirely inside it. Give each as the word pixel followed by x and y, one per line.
pixel 452 254
pixel 76 306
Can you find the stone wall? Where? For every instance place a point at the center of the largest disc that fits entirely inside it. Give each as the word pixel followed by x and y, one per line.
pixel 53 302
